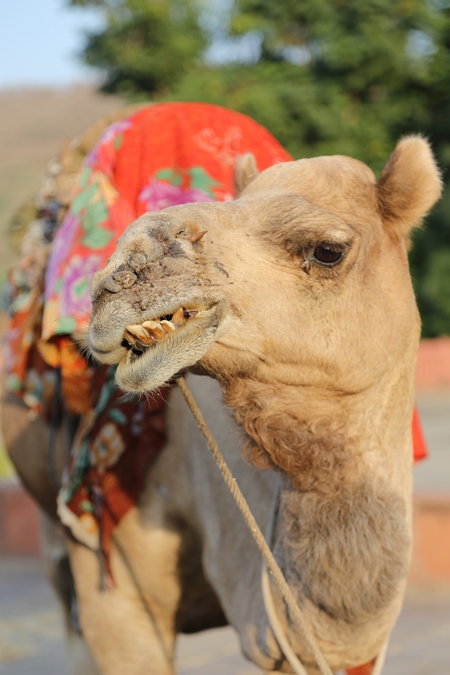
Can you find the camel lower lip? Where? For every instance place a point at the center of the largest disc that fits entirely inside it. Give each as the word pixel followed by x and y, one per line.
pixel 146 367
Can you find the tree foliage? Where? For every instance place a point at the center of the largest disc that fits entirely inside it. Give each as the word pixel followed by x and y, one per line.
pixel 146 46
pixel 324 76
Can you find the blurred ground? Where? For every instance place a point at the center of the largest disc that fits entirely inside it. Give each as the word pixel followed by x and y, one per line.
pixel 31 636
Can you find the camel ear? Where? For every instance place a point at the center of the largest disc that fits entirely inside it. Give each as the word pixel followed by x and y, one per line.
pixel 245 171
pixel 409 185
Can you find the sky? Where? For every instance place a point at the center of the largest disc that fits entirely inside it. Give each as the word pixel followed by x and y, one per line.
pixel 39 41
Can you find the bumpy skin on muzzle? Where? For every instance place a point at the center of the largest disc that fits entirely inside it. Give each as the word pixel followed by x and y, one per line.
pixel 156 309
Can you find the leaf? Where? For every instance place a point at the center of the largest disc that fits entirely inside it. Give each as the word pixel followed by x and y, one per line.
pixel 202 180
pixel 169 175
pixel 85 175
pixel 97 239
pixel 83 198
pixel 95 214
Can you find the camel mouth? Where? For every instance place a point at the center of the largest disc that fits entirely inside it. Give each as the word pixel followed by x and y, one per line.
pixel 140 337
pixel 154 351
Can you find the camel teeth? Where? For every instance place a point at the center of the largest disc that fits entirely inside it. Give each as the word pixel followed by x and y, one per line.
pixel 139 333
pixel 149 331
pixel 178 317
pixel 129 337
pixel 155 329
pixel 168 326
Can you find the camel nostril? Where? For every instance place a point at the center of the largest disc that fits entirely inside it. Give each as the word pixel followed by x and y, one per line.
pixel 109 284
pixel 137 261
pixel 125 279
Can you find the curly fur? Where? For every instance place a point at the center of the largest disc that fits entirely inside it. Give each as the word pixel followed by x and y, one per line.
pixel 338 522
pixel 311 450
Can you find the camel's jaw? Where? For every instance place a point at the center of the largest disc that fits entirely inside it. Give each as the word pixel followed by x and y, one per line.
pixel 158 350
pixel 151 349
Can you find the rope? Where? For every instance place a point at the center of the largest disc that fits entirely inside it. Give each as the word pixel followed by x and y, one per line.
pixel 276 626
pixel 255 531
pixel 381 658
pixel 269 604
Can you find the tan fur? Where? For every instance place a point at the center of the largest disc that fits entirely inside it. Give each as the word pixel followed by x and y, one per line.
pixel 245 170
pixel 275 423
pixel 316 364
pixel 409 185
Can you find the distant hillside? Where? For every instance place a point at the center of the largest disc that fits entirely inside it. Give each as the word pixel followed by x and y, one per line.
pixel 33 125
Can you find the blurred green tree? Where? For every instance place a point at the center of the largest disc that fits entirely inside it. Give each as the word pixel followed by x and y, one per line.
pixel 146 46
pixel 324 76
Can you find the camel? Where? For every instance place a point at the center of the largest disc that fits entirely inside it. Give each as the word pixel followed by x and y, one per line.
pixel 294 310
pixel 312 412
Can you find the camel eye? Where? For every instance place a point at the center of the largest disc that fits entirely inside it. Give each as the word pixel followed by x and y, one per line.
pixel 328 254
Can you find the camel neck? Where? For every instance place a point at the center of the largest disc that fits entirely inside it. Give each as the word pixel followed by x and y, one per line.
pixel 339 519
pixel 325 440
pixel 307 438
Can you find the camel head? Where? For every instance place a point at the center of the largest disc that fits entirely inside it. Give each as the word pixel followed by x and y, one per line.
pixel 303 280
